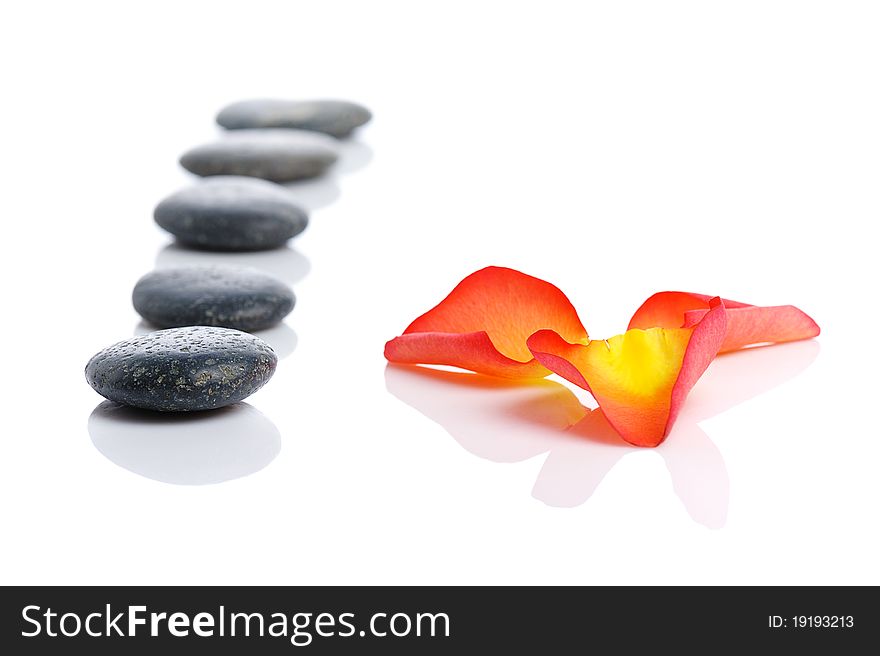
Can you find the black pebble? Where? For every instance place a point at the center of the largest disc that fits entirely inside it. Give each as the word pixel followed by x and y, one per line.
pixel 226 296
pixel 335 117
pixel 182 369
pixel 232 213
pixel 276 155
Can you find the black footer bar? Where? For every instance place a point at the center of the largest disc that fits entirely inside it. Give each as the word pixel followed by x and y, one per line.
pixel 433 620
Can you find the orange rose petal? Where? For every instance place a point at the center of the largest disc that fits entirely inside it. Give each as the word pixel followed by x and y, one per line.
pixel 761 325
pixel 640 379
pixel 666 309
pixel 746 324
pixel 484 323
pixel 472 351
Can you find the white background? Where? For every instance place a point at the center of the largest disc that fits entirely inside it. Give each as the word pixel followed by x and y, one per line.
pixel 615 149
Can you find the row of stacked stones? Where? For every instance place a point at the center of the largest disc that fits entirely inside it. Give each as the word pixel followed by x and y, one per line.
pixel 204 357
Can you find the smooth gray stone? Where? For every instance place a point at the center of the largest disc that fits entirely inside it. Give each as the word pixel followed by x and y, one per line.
pixel 225 296
pixel 232 213
pixel 277 155
pixel 335 117
pixel 182 369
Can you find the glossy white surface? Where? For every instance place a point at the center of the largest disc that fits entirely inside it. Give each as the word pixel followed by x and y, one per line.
pixel 615 149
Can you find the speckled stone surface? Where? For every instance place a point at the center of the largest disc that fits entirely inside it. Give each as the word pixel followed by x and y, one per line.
pixel 182 369
pixel 226 296
pixel 335 117
pixel 232 213
pixel 278 155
